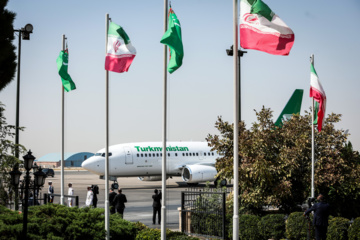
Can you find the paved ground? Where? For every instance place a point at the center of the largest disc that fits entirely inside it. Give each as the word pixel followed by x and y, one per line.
pixel 138 193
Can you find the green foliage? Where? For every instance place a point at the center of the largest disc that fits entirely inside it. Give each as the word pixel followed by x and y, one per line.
pixel 248 227
pixel 122 229
pixel 297 226
pixel 10 224
pixel 272 226
pixel 275 163
pixel 354 230
pixel 155 234
pixel 7 49
pixel 337 229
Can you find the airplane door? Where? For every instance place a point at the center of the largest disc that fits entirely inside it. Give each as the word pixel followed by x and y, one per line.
pixel 128 155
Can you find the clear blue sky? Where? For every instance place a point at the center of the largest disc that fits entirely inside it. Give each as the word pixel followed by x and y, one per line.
pixel 198 92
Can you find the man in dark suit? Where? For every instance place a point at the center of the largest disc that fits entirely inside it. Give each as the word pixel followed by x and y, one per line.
pixel 119 201
pixel 156 206
pixel 112 196
pixel 321 216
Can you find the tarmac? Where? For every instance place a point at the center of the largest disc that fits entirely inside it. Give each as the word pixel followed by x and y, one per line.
pixel 138 194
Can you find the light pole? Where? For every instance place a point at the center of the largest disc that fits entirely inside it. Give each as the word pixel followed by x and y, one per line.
pixel 28 163
pixel 25 32
pixel 230 52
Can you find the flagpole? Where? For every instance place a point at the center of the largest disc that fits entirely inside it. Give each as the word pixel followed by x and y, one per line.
pixel 312 143
pixel 62 131
pixel 163 165
pixel 236 124
pixel 107 213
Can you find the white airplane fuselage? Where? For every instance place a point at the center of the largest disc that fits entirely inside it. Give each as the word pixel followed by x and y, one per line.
pixel 193 160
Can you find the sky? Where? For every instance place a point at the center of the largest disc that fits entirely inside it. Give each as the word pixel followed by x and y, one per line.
pixel 198 92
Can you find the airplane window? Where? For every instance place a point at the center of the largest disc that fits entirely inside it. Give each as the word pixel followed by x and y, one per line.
pixel 175 154
pixel 157 154
pixel 142 155
pixel 110 154
pixel 197 154
pixel 153 154
pixel 168 154
pixel 160 154
pixel 145 154
pixel 137 155
pixel 149 154
pixel 213 154
pixel 103 155
pixel 183 154
pixel 187 154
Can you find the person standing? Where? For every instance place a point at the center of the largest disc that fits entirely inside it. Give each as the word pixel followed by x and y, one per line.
pixel 50 191
pixel 112 196
pixel 70 193
pixel 119 202
pixel 321 216
pixel 156 206
pixel 89 197
pixel 95 190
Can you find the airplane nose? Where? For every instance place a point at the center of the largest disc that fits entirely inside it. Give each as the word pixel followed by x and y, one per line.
pixel 91 164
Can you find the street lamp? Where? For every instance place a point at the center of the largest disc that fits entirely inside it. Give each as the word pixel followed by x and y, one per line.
pixel 28 163
pixel 230 52
pixel 15 177
pixel 25 32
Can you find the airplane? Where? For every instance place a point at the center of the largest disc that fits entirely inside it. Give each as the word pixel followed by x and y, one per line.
pixel 193 161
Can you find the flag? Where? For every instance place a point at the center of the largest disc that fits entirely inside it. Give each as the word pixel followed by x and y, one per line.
pixel 120 51
pixel 172 38
pixel 62 65
pixel 317 92
pixel 261 29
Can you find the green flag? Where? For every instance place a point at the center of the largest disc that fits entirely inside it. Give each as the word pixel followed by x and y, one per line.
pixel 62 65
pixel 172 38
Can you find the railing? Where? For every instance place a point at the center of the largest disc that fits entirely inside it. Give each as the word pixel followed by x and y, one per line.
pixel 46 195
pixel 203 212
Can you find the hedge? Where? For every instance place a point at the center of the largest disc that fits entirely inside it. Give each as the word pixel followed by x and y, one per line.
pixel 337 229
pixel 297 227
pixel 354 230
pixel 272 226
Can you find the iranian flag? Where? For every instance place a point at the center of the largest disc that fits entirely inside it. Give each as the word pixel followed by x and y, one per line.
pixel 120 52
pixel 317 92
pixel 261 29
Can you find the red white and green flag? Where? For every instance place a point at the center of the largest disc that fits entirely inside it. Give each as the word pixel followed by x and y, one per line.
pixel 317 92
pixel 120 52
pixel 261 29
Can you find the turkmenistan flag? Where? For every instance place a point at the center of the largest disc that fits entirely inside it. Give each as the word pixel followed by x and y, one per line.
pixel 62 65
pixel 261 29
pixel 120 51
pixel 317 92
pixel 172 38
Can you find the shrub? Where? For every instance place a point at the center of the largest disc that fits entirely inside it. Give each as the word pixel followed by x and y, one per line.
pixel 337 229
pixel 149 234
pixel 354 230
pixel 122 229
pixel 297 226
pixel 248 227
pixel 272 226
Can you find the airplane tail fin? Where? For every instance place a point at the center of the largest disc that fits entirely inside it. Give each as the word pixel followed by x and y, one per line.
pixel 293 106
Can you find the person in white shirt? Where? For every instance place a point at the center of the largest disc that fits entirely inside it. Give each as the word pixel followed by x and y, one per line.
pixel 89 197
pixel 71 193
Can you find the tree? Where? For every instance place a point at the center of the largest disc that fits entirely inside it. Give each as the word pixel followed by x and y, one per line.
pixel 7 49
pixel 275 162
pixel 7 159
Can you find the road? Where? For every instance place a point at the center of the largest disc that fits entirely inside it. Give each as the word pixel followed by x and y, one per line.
pixel 138 193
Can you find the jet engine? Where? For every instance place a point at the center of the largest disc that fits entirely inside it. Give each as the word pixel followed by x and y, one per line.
pixel 198 173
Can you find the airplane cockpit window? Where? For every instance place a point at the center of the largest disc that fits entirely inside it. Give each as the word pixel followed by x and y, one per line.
pixel 98 154
pixel 103 154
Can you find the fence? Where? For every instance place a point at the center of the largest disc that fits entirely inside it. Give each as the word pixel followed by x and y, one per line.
pixel 203 212
pixel 47 195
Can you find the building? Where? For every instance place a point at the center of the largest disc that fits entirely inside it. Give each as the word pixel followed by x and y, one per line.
pixel 53 160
